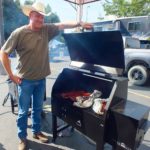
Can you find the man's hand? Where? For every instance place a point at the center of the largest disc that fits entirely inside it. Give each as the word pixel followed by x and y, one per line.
pixel 16 79
pixel 69 25
pixel 6 63
pixel 86 25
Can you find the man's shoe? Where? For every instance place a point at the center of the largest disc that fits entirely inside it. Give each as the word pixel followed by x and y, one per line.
pixel 40 136
pixel 22 144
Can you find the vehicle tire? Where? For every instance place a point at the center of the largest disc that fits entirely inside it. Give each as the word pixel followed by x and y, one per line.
pixel 138 75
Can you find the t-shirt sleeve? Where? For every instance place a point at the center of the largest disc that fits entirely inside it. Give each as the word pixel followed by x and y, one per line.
pixel 52 31
pixel 10 44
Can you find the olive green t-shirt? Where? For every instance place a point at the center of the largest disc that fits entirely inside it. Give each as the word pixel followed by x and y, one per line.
pixel 32 50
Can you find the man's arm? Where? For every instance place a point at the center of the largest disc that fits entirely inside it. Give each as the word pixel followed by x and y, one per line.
pixel 69 25
pixel 6 63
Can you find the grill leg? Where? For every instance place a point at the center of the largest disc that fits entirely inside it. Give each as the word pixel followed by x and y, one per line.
pixel 11 100
pixel 5 99
pixel 100 141
pixel 12 104
pixel 99 146
pixel 54 127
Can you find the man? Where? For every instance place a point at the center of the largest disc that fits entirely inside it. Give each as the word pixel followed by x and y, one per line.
pixel 31 44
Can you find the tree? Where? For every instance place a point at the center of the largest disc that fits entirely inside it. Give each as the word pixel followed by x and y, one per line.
pixel 48 8
pixel 29 2
pixel 53 18
pixel 13 17
pixel 17 2
pixel 126 8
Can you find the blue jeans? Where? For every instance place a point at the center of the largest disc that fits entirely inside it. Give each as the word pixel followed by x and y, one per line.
pixel 26 90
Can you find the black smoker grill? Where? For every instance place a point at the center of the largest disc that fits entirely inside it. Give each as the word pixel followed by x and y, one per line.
pixel 98 63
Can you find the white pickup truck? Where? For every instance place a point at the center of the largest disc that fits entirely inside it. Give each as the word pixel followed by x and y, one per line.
pixel 137 61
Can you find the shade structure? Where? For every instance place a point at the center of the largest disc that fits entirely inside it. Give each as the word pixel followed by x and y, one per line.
pixel 80 4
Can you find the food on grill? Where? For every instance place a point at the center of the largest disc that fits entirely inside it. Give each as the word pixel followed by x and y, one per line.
pixel 85 102
pixel 72 95
pixel 82 99
pixel 99 106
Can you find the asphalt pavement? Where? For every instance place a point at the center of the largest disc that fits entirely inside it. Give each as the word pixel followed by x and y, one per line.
pixel 69 140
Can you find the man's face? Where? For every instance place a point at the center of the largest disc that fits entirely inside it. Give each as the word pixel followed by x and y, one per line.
pixel 37 20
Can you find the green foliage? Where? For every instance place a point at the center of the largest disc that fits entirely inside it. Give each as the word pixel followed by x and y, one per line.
pixel 17 2
pixel 126 8
pixel 13 17
pixel 53 18
pixel 29 2
pixel 48 8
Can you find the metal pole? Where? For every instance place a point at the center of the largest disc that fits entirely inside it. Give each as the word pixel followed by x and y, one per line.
pixel 79 14
pixel 2 71
pixel 87 12
pixel 1 24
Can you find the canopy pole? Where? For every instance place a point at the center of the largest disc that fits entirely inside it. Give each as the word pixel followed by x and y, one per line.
pixel 2 71
pixel 79 12
pixel 79 15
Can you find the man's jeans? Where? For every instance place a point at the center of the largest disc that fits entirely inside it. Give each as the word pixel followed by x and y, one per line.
pixel 30 90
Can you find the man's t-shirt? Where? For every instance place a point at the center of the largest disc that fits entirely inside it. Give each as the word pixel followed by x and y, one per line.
pixel 32 50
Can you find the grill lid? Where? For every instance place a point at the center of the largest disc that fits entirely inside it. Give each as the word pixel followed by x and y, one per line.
pixel 99 48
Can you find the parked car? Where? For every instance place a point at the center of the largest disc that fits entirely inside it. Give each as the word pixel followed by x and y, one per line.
pixel 137 61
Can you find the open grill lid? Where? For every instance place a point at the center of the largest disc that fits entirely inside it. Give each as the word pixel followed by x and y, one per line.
pixel 96 48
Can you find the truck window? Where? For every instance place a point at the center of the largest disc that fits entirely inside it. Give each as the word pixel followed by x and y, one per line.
pixel 132 43
pixel 134 26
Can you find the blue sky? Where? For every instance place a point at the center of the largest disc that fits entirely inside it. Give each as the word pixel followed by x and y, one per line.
pixel 67 13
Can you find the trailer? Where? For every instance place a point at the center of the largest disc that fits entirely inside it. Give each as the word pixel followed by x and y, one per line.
pixel 136 26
